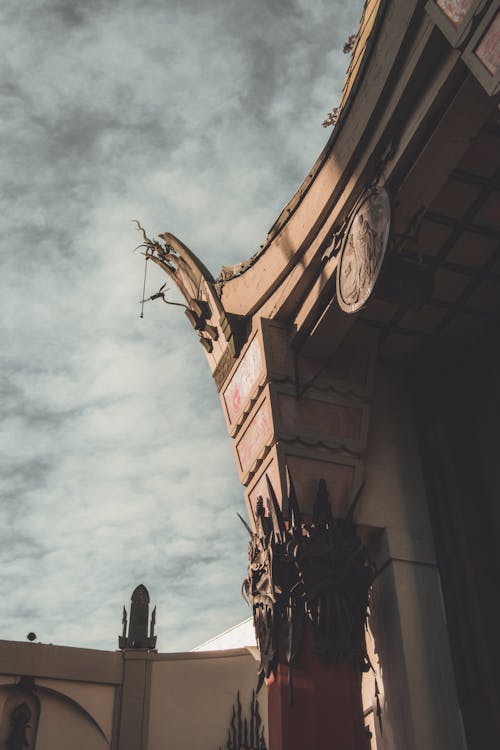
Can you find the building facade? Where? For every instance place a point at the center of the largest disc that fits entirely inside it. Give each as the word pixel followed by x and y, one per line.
pixel 359 346
pixel 358 352
pixel 58 697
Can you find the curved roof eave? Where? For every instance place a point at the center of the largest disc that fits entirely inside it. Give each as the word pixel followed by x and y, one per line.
pixel 231 276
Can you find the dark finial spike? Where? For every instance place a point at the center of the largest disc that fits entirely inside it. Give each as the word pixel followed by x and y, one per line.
pixel 240 722
pixel 252 720
pixel 293 504
pixel 247 527
pixel 261 521
pixel 232 729
pixel 350 511
pixel 260 681
pixel 322 511
pixel 275 510
pixel 322 491
pixel 245 732
pixel 378 709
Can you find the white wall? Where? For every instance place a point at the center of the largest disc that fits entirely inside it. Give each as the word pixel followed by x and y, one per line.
pixel 192 696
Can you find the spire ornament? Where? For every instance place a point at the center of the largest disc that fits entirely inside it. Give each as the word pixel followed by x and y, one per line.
pixel 137 636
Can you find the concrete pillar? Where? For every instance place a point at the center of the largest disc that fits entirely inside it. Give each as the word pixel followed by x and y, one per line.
pixel 415 674
pixel 134 703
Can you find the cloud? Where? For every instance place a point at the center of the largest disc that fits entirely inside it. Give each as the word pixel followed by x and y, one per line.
pixel 200 118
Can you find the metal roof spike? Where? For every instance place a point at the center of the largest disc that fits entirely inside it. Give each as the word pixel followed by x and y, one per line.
pixel 293 503
pixel 275 510
pixel 247 527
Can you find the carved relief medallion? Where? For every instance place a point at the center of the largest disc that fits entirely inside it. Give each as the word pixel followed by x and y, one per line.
pixel 363 249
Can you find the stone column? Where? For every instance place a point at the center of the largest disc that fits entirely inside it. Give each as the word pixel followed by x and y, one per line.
pixel 412 655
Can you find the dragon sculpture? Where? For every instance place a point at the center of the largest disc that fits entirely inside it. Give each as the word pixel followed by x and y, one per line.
pixel 317 571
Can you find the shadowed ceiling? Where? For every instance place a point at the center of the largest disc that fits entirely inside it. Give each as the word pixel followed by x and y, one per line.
pixel 458 241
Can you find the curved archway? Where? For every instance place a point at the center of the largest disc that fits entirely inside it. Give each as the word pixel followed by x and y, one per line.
pixel 30 709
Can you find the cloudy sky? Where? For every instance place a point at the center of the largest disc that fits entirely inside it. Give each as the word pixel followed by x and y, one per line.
pixel 200 117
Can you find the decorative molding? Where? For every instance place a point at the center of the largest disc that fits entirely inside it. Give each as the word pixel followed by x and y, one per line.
pixel 363 249
pixel 332 445
pixel 244 733
pixel 19 725
pixel 223 368
pixel 204 308
pixel 315 570
pixel 343 473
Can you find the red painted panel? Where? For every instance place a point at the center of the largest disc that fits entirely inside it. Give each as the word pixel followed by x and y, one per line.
pixel 255 437
pixel 326 713
pixel 244 380
pixel 488 49
pixel 314 417
pixel 455 10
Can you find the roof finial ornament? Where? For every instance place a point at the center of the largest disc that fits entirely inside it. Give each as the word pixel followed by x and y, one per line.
pixel 193 280
pixel 137 636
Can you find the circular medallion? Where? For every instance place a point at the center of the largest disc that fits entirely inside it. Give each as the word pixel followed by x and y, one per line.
pixel 363 249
